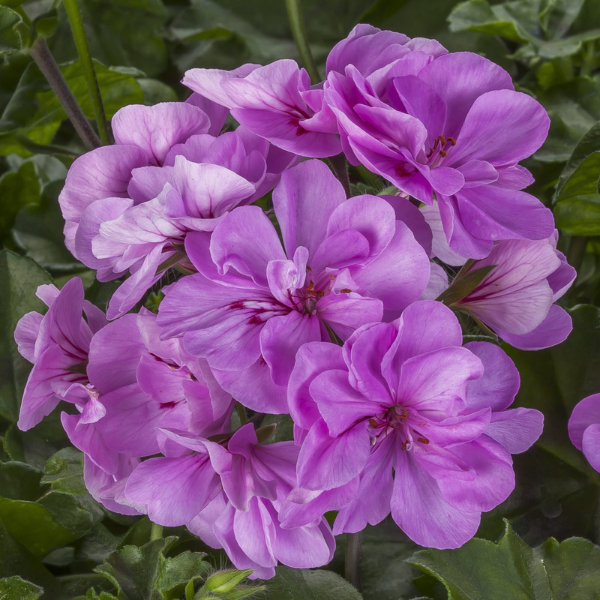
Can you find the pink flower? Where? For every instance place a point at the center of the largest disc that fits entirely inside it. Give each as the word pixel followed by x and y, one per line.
pixel 254 302
pixel 275 102
pixel 516 299
pixel 449 126
pixel 584 429
pixel 405 419
pixel 229 494
pixel 58 345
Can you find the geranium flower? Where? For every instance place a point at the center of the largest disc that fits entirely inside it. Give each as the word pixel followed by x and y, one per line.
pixel 254 301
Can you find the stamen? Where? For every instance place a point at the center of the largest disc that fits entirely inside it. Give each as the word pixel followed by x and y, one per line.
pixel 423 440
pixel 345 291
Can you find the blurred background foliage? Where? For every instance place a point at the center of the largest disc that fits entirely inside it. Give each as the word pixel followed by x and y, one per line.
pixel 56 542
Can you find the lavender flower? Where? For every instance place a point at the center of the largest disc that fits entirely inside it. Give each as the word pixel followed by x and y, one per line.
pixel 229 494
pixel 516 299
pixel 404 418
pixel 58 346
pixel 450 125
pixel 253 302
pixel 584 429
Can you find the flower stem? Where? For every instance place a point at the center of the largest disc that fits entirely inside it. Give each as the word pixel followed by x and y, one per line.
pixel 156 532
pixel 45 61
pixel 297 25
pixel 353 558
pixel 89 72
pixel 340 168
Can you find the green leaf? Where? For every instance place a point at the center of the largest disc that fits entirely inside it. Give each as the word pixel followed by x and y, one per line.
pixel 577 209
pixel 54 521
pixel 478 15
pixel 177 572
pixel 135 571
pixel 17 189
pixel 118 89
pixel 19 280
pixel 558 16
pixel 574 107
pixel 216 35
pixel 119 32
pixel 35 111
pixel 156 91
pixel 19 481
pixel 588 144
pixel 553 381
pixel 380 11
pixel 16 588
pixel 10 37
pixel 64 472
pixel 15 560
pixel 38 230
pixel 511 569
pixel 304 584
pixel 37 445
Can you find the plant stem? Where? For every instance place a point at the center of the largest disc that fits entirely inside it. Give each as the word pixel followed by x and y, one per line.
pixel 576 252
pixel 587 65
pixel 89 72
pixel 353 558
pixel 340 168
pixel 156 532
pixel 45 61
pixel 297 25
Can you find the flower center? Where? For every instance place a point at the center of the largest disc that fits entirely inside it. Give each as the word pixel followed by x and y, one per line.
pixel 439 150
pixel 305 299
pixel 396 419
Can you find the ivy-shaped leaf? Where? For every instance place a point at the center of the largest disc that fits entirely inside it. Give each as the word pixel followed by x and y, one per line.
pixel 511 569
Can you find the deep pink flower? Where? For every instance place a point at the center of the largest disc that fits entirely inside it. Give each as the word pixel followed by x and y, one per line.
pixel 404 418
pixel 254 303
pixel 449 125
pixel 58 345
pixel 516 299
pixel 584 429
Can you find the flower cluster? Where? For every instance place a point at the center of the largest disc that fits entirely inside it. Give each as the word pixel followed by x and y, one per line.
pixel 339 311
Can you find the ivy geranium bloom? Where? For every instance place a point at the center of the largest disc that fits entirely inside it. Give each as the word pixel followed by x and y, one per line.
pixel 584 429
pixel 144 135
pixel 229 494
pixel 254 301
pixel 419 419
pixel 58 344
pixel 130 215
pixel 275 102
pixel 145 384
pixel 516 298
pixel 449 127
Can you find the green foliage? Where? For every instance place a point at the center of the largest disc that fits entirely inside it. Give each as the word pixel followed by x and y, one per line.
pixel 304 584
pixel 482 570
pixel 56 542
pixel 16 588
pixel 10 37
pixel 19 279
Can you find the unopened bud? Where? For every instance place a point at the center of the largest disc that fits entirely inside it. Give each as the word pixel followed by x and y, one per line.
pixel 224 581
